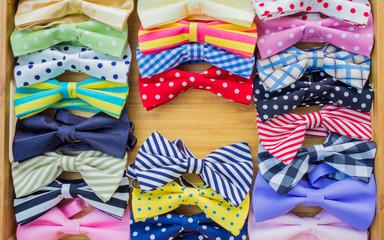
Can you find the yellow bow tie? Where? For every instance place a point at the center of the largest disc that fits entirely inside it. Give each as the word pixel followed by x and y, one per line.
pixel 171 196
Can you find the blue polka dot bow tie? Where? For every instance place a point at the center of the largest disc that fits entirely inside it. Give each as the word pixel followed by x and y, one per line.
pixel 177 227
pixel 288 66
pixel 51 62
pixel 227 170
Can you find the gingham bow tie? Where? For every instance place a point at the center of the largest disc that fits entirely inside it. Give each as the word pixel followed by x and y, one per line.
pixel 227 170
pixel 353 12
pixel 283 135
pixel 290 65
pixel 152 64
pixel 51 62
pixel 351 157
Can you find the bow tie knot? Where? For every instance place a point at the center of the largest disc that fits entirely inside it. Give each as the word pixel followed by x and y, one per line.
pixel 192 196
pixel 313 120
pixel 197 31
pixel 195 7
pixel 67 133
pixel 195 165
pixel 69 190
pixel 315 60
pixel 308 225
pixel 68 90
pixel 71 227
pixel 73 6
pixel 68 163
pixel 315 197
pixel 71 62
pixel 189 225
pixel 312 29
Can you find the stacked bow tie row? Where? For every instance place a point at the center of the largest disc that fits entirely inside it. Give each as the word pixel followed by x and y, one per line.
pixel 79 36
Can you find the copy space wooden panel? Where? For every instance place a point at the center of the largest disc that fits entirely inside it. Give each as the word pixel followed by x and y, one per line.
pixel 202 120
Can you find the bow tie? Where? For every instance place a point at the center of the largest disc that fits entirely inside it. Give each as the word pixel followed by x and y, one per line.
pixel 152 64
pixel 32 13
pixel 277 35
pixel 238 40
pixel 352 12
pixel 227 170
pixel 178 227
pixel 283 135
pixel 315 89
pixel 164 87
pixel 349 200
pixel 33 206
pixel 39 134
pixel 93 34
pixel 56 223
pixel 51 62
pixel 92 94
pixel 171 196
pixel 351 157
pixel 166 11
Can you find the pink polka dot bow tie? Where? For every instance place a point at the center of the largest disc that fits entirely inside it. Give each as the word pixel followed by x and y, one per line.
pixel 164 87
pixel 279 34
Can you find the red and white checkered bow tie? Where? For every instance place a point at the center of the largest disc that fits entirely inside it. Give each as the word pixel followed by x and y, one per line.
pixel 283 135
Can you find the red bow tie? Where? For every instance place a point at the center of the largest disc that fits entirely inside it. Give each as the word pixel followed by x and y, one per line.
pixel 164 87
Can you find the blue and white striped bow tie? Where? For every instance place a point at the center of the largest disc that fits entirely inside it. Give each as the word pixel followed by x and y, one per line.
pixel 152 64
pixel 227 170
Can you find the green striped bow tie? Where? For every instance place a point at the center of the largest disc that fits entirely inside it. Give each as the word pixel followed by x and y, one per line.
pixel 92 94
pixel 102 172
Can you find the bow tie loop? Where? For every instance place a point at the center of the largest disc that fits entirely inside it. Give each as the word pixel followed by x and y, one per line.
pixel 67 133
pixel 68 163
pixel 313 120
pixel 69 190
pixel 308 225
pixel 192 195
pixel 195 165
pixel 315 197
pixel 68 90
pixel 71 227
pixel 312 29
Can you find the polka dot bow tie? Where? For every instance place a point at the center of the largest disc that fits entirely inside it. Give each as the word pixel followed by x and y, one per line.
pixel 227 170
pixel 51 62
pixel 171 196
pixel 94 34
pixel 283 135
pixel 164 87
pixel 354 12
pixel 289 66
pixel 279 34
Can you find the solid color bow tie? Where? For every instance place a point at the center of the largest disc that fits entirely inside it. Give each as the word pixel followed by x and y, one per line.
pixel 349 200
pixel 164 87
pixel 152 64
pixel 351 157
pixel 51 62
pixel 39 134
pixel 102 172
pixel 181 227
pixel 33 206
pixel 323 226
pixel 283 135
pixel 355 12
pixel 171 196
pixel 170 11
pixel 289 66
pixel 94 34
pixel 56 223
pixel 279 34
pixel 236 39
pixel 227 170
pixel 92 94
pixel 33 14
pixel 316 89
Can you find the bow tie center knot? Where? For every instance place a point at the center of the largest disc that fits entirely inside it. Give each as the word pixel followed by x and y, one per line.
pixel 308 225
pixel 195 165
pixel 315 60
pixel 71 227
pixel 191 196
pixel 68 90
pixel 313 120
pixel 315 197
pixel 68 164
pixel 197 31
pixel 195 7
pixel 73 6
pixel 312 29
pixel 67 133
pixel 69 191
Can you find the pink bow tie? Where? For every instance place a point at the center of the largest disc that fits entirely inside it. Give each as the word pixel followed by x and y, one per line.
pixel 283 135
pixel 56 224
pixel 279 34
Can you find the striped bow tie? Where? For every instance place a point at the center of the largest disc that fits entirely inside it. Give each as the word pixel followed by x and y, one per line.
pixel 102 172
pixel 237 39
pixel 53 194
pixel 152 64
pixel 283 135
pixel 289 66
pixel 227 170
pixel 351 157
pixel 92 94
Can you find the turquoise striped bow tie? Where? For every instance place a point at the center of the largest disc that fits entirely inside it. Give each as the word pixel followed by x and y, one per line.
pixel 92 94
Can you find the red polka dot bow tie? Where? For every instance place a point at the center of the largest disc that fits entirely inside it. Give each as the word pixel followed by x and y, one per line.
pixel 164 87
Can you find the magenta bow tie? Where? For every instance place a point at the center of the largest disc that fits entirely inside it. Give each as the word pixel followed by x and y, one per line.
pixel 279 34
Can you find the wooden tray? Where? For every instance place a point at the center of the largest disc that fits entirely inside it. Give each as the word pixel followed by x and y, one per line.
pixel 202 120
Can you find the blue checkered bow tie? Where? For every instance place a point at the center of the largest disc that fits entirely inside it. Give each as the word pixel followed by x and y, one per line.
pixel 152 64
pixel 285 68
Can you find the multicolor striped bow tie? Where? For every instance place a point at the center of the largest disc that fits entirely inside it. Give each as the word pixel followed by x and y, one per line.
pixel 35 205
pixel 102 172
pixel 289 66
pixel 227 170
pixel 283 135
pixel 237 39
pixel 152 64
pixel 92 94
